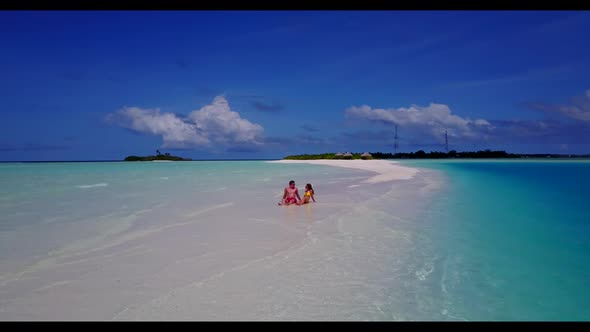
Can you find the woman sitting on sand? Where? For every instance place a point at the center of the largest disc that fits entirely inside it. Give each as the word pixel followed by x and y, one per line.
pixel 290 195
pixel 309 193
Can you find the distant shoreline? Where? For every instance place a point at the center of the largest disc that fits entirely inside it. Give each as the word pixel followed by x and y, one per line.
pixel 120 161
pixel 159 157
pixel 385 170
pixel 272 159
pixel 420 154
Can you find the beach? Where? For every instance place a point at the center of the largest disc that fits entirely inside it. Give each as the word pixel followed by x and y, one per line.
pixel 386 170
pixel 206 241
pixel 148 158
pixel 193 249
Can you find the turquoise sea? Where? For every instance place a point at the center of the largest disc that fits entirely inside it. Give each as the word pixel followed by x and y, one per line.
pixel 465 240
pixel 514 238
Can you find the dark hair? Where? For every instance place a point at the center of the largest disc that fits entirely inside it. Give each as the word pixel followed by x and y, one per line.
pixel 291 182
pixel 309 185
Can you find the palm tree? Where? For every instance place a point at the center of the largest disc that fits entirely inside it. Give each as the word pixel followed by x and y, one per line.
pixel 158 152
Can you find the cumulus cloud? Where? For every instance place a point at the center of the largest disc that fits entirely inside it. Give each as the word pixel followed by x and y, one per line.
pixel 431 120
pixel 425 127
pixel 215 123
pixel 224 125
pixel 175 132
pixel 578 109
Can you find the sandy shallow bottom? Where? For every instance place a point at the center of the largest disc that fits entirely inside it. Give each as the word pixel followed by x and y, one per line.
pixel 354 255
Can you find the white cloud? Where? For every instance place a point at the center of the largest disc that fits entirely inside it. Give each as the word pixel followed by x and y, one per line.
pixel 174 131
pixel 575 113
pixel 578 109
pixel 224 125
pixel 215 123
pixel 431 120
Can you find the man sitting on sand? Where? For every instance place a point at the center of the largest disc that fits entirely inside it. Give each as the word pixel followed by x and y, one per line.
pixel 291 195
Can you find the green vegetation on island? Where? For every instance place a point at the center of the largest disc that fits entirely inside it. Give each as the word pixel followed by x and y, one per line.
pixel 330 156
pixel 420 154
pixel 158 156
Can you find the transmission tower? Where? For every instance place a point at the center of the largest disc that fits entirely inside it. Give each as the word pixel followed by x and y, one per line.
pixel 446 142
pixel 395 145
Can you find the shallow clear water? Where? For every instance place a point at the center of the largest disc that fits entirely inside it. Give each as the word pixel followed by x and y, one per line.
pixel 514 239
pixel 63 201
pixel 464 240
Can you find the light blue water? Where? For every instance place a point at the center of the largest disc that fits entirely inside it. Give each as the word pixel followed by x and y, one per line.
pixel 45 206
pixel 513 239
pixel 500 240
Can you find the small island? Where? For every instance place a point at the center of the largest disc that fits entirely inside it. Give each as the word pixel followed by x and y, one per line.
pixel 420 154
pixel 158 157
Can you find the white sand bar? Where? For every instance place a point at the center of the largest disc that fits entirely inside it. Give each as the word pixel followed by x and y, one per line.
pixel 183 249
pixel 386 170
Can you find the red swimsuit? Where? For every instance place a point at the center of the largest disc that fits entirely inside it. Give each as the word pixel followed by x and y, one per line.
pixel 291 195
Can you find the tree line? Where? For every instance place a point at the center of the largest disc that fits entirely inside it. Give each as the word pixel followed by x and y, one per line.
pixel 421 154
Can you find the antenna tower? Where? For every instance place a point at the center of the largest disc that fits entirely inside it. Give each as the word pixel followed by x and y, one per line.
pixel 395 145
pixel 446 142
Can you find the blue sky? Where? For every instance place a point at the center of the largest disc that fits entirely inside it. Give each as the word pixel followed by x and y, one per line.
pixel 230 84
